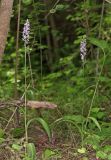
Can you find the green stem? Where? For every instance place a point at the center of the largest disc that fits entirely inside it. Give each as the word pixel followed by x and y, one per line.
pixel 83 105
pixel 95 91
pixel 25 95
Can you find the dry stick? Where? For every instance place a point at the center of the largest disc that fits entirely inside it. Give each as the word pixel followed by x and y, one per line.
pixel 30 104
pixel 10 118
pixel 24 92
pixel 17 61
pixel 52 8
pixel 108 1
pixel 41 104
pixel 86 89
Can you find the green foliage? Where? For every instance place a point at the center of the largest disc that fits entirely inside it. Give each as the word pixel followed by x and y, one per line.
pixel 27 2
pixel 101 154
pixel 44 125
pixel 56 73
pixel 31 152
pixel 2 133
pixel 2 136
pixel 96 122
pixel 99 43
pixel 16 147
pixel 18 132
pixel 47 154
pixel 79 119
pixel 82 150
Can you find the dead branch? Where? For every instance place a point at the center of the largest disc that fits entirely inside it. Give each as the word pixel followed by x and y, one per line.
pixel 30 104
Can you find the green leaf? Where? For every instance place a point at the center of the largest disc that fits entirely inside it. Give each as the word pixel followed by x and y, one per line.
pixel 100 115
pixel 75 118
pixel 93 140
pixel 18 132
pixel 99 43
pixel 95 110
pixel 109 157
pixel 31 151
pixel 27 2
pixel 107 148
pixel 53 76
pixel 52 11
pixel 2 140
pixel 101 154
pixel 61 7
pixel 84 158
pixel 48 153
pixel 82 150
pixel 44 125
pixel 96 122
pixel 16 147
pixel 2 133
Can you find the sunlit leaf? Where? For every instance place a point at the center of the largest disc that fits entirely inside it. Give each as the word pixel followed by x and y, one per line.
pixel 27 2
pixel 16 147
pixel 82 150
pixel 52 10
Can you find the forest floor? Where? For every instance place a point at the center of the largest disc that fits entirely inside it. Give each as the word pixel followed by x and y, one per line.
pixel 63 149
pixel 63 146
pixel 68 153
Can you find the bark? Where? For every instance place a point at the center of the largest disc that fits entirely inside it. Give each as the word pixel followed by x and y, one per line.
pixel 55 41
pixel 52 41
pixel 5 15
pixel 50 56
pixel 48 38
pixel 30 104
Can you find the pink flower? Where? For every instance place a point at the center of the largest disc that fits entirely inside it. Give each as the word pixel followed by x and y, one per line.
pixel 83 49
pixel 26 32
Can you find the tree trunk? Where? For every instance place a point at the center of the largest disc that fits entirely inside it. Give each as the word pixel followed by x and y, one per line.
pixel 55 41
pixel 5 15
pixel 48 39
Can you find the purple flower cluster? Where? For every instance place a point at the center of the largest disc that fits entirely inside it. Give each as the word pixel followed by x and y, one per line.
pixel 26 32
pixel 83 49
